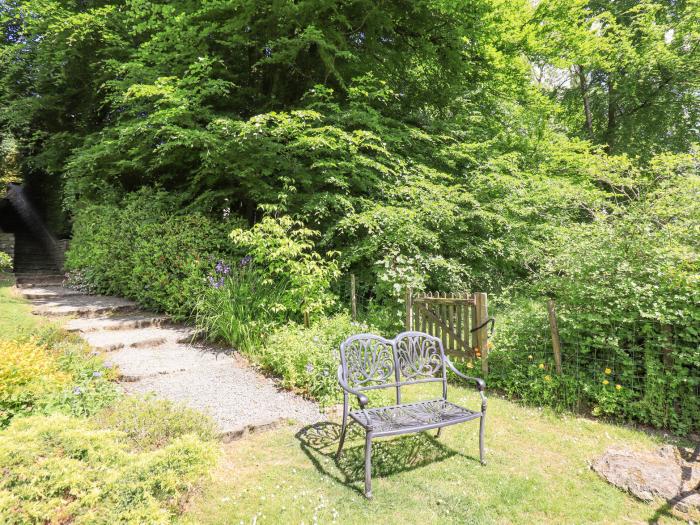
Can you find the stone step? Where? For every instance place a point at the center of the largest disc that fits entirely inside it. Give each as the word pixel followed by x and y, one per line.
pixel 111 340
pixel 164 359
pixel 88 306
pixel 47 292
pixel 29 280
pixel 115 323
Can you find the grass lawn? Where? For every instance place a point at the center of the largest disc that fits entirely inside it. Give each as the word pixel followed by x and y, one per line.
pixel 15 314
pixel 537 472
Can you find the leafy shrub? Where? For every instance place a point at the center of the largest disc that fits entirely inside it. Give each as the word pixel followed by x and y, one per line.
pixel 240 306
pixel 5 262
pixel 627 294
pixel 61 469
pixel 283 252
pixel 151 423
pixel 141 250
pixel 307 358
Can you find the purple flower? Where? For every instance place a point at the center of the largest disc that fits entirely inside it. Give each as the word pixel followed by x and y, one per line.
pixel 245 261
pixel 77 391
pixel 309 368
pixel 216 283
pixel 219 268
pixel 107 365
pixel 97 374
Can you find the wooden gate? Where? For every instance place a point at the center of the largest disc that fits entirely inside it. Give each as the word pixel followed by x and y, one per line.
pixel 459 320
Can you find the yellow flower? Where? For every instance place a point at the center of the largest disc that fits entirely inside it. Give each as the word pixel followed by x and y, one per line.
pixel 541 366
pixel 618 387
pixel 605 381
pixel 470 365
pixel 529 357
pixel 608 371
pixel 547 378
pixel 489 345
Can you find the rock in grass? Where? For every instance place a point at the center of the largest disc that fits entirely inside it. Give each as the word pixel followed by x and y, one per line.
pixel 669 474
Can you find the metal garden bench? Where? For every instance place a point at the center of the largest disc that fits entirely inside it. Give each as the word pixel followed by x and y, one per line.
pixel 369 362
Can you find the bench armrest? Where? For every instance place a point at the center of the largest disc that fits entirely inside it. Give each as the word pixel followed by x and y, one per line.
pixel 361 398
pixel 480 383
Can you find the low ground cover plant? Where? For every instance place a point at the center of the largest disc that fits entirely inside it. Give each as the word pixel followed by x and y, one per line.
pixel 63 469
pixel 74 450
pixel 307 358
pixel 51 371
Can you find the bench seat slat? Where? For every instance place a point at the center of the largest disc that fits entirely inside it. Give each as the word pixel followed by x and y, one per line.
pixel 412 417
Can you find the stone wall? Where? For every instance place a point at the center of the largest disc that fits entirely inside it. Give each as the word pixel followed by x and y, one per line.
pixel 7 243
pixel 61 249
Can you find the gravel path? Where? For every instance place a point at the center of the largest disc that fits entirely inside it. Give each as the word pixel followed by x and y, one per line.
pixel 154 356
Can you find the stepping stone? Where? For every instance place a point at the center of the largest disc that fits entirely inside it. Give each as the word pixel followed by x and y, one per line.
pixel 47 292
pixel 126 322
pixel 163 359
pixel 668 474
pixel 110 340
pixel 83 306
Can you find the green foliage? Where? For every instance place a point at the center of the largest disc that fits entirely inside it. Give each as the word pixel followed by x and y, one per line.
pixel 280 279
pixel 63 469
pixel 150 423
pixel 307 358
pixel 5 262
pixel 240 306
pixel 140 249
pixel 282 251
pixel 627 292
pixel 51 371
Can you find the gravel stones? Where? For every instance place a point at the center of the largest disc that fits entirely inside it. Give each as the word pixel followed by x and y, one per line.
pixel 160 358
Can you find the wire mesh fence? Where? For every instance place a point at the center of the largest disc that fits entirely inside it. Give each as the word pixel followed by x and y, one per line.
pixel 639 371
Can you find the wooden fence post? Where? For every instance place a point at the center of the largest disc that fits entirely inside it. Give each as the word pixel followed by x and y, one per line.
pixel 353 297
pixel 306 320
pixel 480 337
pixel 409 309
pixel 556 342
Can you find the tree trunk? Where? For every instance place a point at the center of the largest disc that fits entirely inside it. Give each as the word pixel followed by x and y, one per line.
pixel 583 86
pixel 612 123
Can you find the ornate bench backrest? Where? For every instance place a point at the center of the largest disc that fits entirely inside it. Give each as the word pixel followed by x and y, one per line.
pixel 371 362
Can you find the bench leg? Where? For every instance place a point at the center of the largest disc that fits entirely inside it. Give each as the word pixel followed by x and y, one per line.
pixel 343 428
pixel 368 465
pixel 481 438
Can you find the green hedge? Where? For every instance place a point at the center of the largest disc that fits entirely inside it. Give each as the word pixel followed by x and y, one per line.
pixel 141 250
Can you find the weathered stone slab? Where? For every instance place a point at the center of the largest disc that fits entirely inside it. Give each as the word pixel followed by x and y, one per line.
pixel 83 306
pixel 46 292
pixel 110 340
pixel 123 322
pixel 670 474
